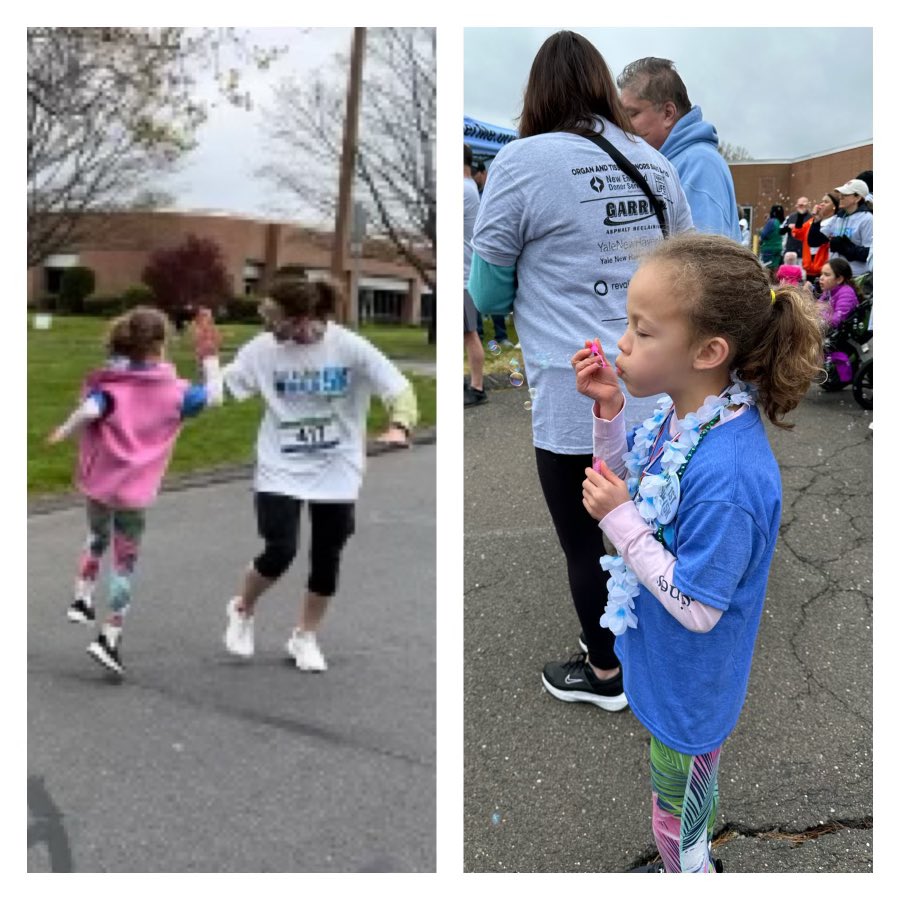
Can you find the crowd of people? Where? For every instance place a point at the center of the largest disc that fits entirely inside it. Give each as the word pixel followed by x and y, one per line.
pixel 839 226
pixel 827 250
pixel 699 321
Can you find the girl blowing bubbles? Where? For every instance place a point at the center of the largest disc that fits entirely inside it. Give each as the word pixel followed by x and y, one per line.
pixel 692 501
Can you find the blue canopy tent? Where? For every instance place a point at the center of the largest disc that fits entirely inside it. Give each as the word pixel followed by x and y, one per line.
pixel 486 140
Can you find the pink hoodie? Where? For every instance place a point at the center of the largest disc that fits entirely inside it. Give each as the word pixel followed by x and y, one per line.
pixel 123 456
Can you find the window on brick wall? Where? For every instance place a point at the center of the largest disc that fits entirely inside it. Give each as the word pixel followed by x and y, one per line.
pixel 252 276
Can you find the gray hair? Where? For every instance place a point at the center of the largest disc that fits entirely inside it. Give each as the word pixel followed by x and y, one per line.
pixel 655 80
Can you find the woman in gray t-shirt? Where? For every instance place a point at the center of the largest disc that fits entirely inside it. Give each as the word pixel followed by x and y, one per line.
pixel 558 236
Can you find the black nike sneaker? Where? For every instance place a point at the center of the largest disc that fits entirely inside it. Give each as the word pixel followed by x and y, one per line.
pixel 106 653
pixel 81 611
pixel 650 867
pixel 658 867
pixel 575 682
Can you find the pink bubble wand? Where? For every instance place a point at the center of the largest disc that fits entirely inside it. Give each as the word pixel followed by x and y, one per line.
pixel 595 351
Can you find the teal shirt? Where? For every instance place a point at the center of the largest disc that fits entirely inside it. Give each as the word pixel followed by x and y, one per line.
pixel 492 288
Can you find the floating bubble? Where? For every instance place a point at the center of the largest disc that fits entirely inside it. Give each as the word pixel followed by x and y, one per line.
pixel 514 363
pixel 527 404
pixel 494 347
pixel 496 818
pixel 516 379
pixel 532 392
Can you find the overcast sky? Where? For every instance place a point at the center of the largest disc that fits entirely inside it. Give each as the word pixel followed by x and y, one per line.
pixel 219 173
pixel 781 93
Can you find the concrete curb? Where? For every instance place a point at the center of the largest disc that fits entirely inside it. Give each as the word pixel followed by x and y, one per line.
pixel 41 504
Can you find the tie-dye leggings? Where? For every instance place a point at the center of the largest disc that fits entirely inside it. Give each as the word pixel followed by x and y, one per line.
pixel 125 527
pixel 685 798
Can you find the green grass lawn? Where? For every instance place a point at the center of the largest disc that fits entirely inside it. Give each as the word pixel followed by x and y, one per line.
pixel 59 358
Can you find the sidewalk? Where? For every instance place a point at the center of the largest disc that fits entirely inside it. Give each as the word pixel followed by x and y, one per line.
pixel 554 787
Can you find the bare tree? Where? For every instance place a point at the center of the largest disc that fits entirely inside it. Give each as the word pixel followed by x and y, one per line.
pixel 110 107
pixel 734 152
pixel 150 199
pixel 395 157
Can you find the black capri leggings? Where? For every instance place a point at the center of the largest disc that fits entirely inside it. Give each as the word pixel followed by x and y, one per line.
pixel 561 478
pixel 278 523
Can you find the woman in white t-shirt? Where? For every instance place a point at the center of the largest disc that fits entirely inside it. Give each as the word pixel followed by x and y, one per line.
pixel 315 378
pixel 559 232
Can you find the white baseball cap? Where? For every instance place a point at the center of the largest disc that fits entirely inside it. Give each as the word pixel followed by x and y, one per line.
pixel 854 186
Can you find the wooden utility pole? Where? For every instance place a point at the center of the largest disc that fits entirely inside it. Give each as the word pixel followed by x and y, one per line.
pixel 340 268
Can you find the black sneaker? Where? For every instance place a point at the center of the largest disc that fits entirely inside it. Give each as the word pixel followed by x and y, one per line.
pixel 658 867
pixel 80 611
pixel 574 682
pixel 472 396
pixel 106 654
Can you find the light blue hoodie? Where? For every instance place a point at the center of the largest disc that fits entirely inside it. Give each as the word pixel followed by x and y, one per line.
pixel 705 177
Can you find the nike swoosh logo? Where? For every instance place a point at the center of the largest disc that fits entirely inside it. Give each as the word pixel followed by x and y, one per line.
pixel 571 680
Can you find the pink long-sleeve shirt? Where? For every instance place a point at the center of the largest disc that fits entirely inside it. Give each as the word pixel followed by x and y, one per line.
pixel 633 537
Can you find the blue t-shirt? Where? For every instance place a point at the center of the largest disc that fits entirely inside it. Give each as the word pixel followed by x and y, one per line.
pixel 687 688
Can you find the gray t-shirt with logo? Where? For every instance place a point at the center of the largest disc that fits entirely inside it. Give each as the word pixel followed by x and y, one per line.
pixel 559 209
pixel 471 200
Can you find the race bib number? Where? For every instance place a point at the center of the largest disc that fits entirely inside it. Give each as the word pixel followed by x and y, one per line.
pixel 313 435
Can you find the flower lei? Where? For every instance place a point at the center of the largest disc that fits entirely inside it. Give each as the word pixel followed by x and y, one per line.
pixel 618 615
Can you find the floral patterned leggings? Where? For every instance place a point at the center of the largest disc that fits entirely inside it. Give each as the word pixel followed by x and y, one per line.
pixel 125 527
pixel 685 799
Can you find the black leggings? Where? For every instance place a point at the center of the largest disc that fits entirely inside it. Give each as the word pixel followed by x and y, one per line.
pixel 278 522
pixel 582 541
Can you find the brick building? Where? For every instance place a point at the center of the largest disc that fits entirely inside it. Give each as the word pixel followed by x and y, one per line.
pixel 118 245
pixel 761 183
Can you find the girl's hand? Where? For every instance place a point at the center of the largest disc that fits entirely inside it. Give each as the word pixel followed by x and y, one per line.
pixel 603 491
pixel 596 378
pixel 207 339
pixel 55 436
pixel 395 436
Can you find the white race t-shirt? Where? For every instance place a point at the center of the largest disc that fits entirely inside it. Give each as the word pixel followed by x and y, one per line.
pixel 312 438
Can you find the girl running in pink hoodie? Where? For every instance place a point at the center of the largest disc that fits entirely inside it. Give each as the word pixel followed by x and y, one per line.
pixel 130 415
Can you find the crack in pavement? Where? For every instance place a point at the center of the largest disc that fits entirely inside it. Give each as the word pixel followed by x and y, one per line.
pixel 731 830
pixel 853 539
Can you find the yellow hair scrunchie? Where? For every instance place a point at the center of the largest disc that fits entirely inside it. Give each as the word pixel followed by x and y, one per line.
pixel 772 292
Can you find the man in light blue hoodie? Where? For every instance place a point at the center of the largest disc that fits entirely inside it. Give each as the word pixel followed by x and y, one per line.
pixel 656 100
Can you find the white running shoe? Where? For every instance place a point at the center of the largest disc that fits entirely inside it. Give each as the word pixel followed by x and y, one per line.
pixel 239 633
pixel 304 648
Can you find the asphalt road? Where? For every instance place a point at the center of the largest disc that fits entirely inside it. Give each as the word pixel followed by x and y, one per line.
pixel 198 762
pixel 564 787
